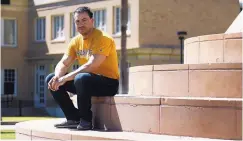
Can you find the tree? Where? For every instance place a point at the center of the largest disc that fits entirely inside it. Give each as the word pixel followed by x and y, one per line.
pixel 123 56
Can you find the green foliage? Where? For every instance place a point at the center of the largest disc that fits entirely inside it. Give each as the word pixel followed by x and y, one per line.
pixel 8 134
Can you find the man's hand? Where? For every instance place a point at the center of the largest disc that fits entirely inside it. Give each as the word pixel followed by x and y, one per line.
pixel 59 82
pixel 60 71
pixel 52 83
pixel 93 63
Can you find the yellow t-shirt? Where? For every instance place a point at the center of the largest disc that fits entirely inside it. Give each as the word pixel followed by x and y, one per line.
pixel 97 43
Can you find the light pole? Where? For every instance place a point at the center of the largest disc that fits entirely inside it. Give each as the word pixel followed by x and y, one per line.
pixel 181 36
pixel 123 60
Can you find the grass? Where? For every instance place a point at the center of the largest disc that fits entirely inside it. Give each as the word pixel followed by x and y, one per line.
pixel 19 119
pixel 8 134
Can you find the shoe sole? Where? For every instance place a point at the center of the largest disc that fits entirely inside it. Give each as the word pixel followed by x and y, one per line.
pixel 88 128
pixel 69 126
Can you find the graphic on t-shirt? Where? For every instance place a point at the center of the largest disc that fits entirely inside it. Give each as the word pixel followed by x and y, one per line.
pixel 86 53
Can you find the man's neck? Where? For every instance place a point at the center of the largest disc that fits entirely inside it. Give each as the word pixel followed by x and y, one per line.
pixel 86 36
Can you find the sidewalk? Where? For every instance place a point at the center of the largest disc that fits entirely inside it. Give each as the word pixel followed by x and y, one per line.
pixel 7 127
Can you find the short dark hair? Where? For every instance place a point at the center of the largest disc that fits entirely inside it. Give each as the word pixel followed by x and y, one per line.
pixel 84 9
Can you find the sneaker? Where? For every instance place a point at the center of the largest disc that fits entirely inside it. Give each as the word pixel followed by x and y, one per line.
pixel 67 124
pixel 84 125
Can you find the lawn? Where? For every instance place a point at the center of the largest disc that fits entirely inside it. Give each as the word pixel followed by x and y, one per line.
pixel 7 134
pixel 19 119
pixel 10 134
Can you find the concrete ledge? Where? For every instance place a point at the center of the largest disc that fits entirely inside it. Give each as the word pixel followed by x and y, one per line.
pixel 44 130
pixel 205 117
pixel 233 35
pixel 216 48
pixel 219 80
pixel 211 37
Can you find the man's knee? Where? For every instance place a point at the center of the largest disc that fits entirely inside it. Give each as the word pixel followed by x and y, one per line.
pixel 82 78
pixel 49 77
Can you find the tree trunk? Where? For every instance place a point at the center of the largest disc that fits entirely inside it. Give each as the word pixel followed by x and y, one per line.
pixel 123 56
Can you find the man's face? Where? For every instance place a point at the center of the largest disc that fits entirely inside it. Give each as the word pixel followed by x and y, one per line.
pixel 83 23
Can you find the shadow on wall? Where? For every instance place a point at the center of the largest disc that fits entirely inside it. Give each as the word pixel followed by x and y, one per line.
pixel 37 46
pixel 115 120
pixel 105 115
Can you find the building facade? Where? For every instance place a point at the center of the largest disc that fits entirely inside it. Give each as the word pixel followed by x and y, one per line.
pixel 36 33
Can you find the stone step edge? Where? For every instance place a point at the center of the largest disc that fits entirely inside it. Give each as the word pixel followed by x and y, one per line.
pixel 169 101
pixel 25 129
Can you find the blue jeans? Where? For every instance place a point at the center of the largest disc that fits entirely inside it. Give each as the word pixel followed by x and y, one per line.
pixel 85 85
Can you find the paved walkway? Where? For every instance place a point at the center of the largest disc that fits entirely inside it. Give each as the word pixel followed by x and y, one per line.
pixel 7 127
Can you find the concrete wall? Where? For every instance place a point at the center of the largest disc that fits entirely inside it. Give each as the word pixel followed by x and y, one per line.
pixel 160 20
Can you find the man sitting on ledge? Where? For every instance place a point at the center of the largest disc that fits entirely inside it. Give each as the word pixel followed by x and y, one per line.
pixel 97 76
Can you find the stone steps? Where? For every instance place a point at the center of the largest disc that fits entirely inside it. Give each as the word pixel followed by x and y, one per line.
pixel 179 116
pixel 187 80
pixel 44 130
pixel 214 48
pixel 179 101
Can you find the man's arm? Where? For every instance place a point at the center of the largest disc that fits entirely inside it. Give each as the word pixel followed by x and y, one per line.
pixel 94 62
pixel 60 70
pixel 63 65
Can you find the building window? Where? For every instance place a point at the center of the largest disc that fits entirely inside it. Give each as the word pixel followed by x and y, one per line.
pixel 75 66
pixel 40 29
pixel 117 21
pixel 9 82
pixel 100 19
pixel 74 32
pixel 7 2
pixel 9 32
pixel 54 66
pixel 58 28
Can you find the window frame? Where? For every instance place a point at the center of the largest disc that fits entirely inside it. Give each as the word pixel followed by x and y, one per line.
pixel 3 81
pixel 44 39
pixel 72 25
pixel 75 66
pixel 8 2
pixel 118 33
pixel 100 10
pixel 61 38
pixel 2 32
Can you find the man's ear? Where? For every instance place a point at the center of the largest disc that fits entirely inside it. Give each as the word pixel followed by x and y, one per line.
pixel 92 20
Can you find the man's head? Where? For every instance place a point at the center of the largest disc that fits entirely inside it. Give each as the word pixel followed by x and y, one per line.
pixel 84 21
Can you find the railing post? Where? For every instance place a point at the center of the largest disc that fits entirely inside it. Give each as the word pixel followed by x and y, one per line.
pixel 20 107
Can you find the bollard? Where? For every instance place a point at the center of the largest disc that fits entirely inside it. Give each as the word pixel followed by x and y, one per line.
pixel 7 100
pixel 20 108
